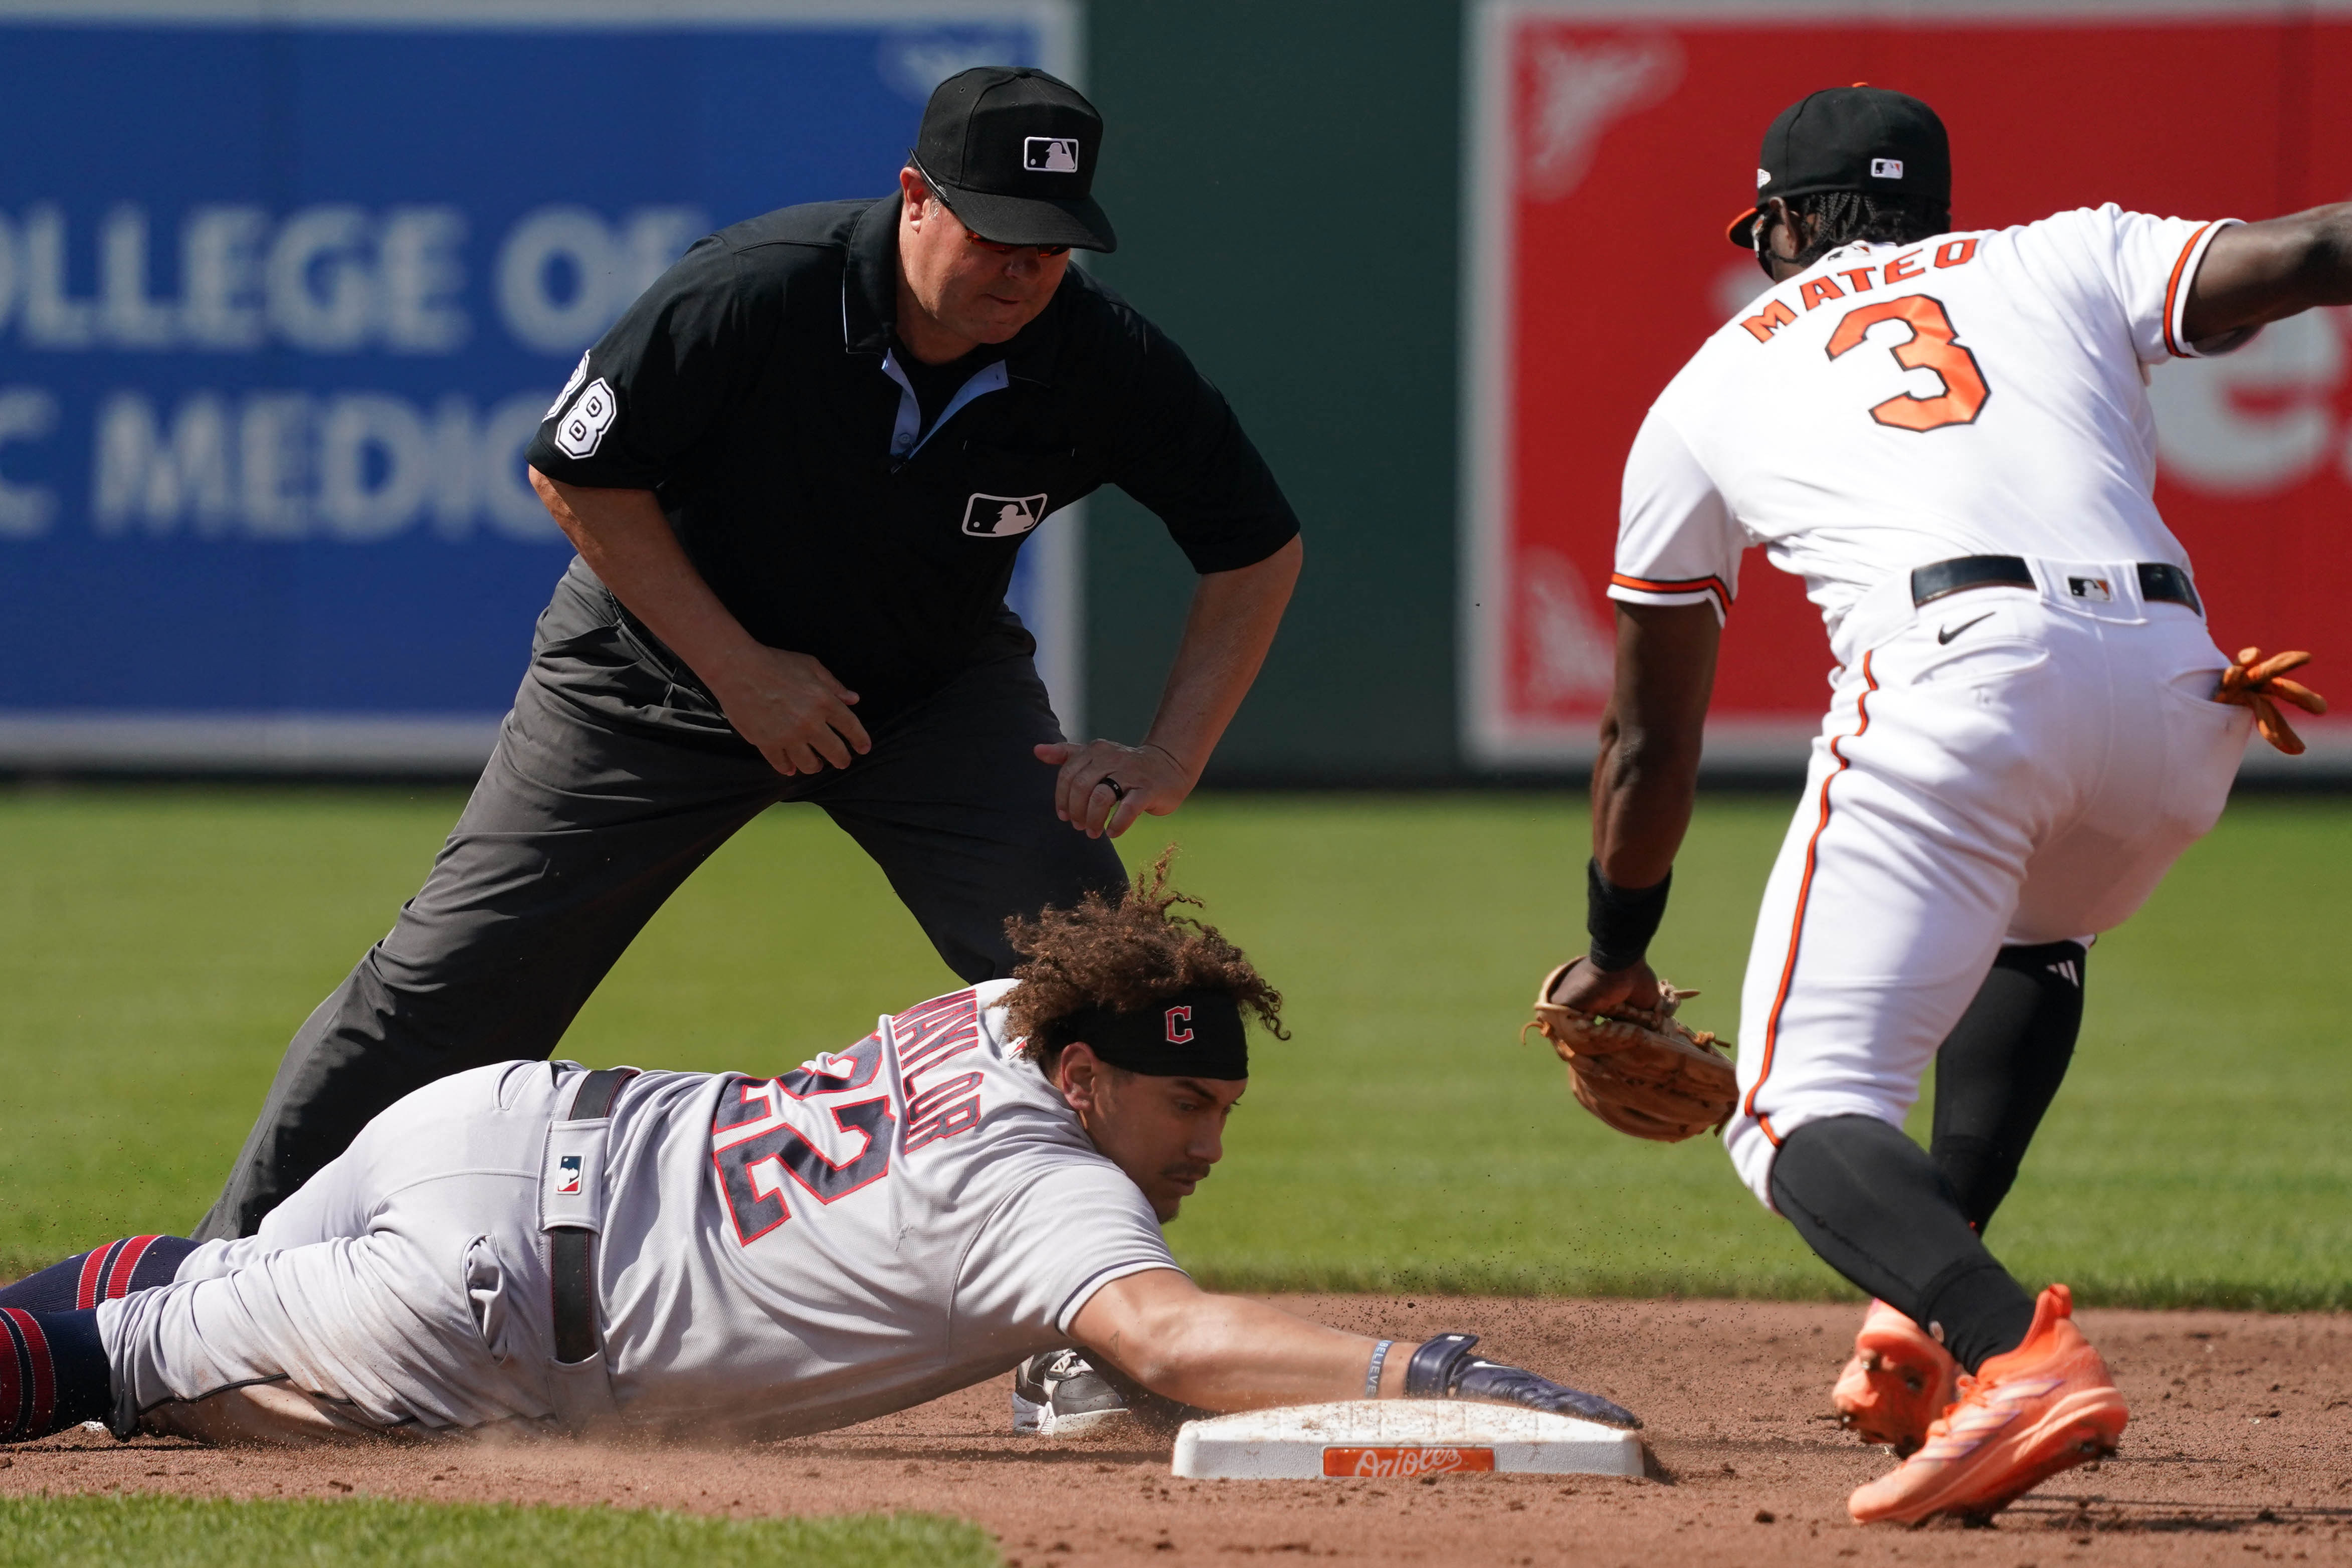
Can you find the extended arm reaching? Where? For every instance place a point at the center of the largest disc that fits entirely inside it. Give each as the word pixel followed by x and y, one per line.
pixel 1225 1353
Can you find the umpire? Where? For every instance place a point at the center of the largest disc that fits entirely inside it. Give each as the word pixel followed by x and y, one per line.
pixel 797 473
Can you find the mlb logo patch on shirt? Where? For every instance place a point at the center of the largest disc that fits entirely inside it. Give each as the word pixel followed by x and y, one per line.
pixel 1050 154
pixel 1002 517
pixel 2094 588
pixel 567 1178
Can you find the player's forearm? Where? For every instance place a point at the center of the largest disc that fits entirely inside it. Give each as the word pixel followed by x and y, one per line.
pixel 1642 803
pixel 628 543
pixel 1223 1353
pixel 1232 624
pixel 1645 780
pixel 2260 272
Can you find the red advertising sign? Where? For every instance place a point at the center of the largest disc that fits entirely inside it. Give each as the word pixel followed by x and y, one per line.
pixel 1612 142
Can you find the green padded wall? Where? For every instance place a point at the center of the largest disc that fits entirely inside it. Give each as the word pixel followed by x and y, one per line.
pixel 1284 176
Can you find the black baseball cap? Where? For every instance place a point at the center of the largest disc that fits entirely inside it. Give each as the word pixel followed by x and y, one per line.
pixel 1011 152
pixel 1858 138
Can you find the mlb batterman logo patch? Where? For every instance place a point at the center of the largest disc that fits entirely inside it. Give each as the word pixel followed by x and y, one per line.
pixel 1050 154
pixel 1002 517
pixel 567 1178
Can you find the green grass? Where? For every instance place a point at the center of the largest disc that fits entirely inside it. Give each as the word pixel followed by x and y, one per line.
pixel 163 1531
pixel 157 947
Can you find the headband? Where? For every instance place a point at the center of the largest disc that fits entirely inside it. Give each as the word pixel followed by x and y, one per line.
pixel 1194 1033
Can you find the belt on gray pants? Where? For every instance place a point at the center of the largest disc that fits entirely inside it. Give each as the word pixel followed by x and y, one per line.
pixel 2159 582
pixel 572 1249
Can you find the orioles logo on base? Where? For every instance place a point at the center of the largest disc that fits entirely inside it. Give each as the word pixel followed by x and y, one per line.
pixel 1405 1464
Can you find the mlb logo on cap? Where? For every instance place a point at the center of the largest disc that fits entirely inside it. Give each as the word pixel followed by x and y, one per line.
pixel 567 1183
pixel 1050 154
pixel 1886 168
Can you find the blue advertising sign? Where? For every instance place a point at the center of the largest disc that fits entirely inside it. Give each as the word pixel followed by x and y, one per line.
pixel 284 288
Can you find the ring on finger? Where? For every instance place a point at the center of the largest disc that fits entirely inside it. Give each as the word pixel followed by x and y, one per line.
pixel 1117 790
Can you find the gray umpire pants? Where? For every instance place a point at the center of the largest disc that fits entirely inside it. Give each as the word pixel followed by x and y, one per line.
pixel 615 777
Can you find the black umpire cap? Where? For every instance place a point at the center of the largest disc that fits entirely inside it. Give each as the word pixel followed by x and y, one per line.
pixel 1011 152
pixel 1858 138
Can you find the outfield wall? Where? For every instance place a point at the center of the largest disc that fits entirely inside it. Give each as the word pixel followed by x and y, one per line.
pixel 1459 248
pixel 280 291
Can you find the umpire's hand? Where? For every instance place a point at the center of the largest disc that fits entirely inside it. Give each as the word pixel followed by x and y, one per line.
pixel 1105 787
pixel 790 707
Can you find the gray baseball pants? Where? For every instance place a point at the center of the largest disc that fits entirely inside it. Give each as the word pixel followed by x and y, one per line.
pixel 615 777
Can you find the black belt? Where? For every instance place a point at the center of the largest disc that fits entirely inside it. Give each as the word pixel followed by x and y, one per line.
pixel 2159 582
pixel 572 1251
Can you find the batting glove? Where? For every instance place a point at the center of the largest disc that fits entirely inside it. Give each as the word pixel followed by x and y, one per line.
pixel 1444 1368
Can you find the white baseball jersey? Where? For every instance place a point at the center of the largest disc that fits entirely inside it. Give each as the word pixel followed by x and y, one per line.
pixel 1976 394
pixel 2008 765
pixel 883 1225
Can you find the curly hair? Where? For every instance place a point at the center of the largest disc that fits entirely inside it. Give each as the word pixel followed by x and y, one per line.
pixel 1125 955
pixel 1842 217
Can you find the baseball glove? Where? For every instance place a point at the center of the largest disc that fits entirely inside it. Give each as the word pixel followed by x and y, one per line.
pixel 2260 684
pixel 1642 1073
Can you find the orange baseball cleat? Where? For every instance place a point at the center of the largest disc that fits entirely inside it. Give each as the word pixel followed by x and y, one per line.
pixel 2043 1407
pixel 1898 1381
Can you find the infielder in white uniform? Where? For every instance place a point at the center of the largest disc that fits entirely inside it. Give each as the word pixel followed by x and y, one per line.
pixel 540 1248
pixel 1947 434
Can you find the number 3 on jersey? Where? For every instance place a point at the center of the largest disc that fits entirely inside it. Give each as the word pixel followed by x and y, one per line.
pixel 1933 345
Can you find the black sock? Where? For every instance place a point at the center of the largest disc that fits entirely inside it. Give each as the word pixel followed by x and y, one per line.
pixel 2000 1067
pixel 102 1274
pixel 1872 1203
pixel 53 1373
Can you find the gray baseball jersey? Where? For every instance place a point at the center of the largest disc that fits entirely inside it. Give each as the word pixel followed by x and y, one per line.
pixel 884 1225
pixel 881 1226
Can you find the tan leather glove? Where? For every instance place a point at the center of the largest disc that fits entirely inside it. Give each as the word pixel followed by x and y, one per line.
pixel 1641 1073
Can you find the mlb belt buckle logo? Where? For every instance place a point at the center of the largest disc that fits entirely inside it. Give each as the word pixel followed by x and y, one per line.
pixel 2096 588
pixel 567 1177
pixel 1405 1463
pixel 1002 517
pixel 1050 154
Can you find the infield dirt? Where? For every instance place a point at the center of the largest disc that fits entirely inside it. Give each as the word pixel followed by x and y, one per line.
pixel 2240 1443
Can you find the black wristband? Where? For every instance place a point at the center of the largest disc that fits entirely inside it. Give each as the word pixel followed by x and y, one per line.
pixel 1435 1365
pixel 1622 920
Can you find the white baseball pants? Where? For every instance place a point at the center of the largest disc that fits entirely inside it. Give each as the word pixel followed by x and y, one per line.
pixel 2000 766
pixel 402 1289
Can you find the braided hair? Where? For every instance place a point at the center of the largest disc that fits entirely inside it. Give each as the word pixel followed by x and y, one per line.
pixel 1843 217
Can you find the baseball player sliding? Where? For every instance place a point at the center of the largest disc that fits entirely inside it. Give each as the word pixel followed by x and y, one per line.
pixel 1947 435
pixel 536 1246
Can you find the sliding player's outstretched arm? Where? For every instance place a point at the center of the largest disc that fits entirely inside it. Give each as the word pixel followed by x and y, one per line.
pixel 2255 273
pixel 1226 1353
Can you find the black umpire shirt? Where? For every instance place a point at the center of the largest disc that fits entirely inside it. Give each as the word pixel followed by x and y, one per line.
pixel 758 391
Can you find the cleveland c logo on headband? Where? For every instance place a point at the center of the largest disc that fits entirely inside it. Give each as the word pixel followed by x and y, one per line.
pixel 1193 1034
